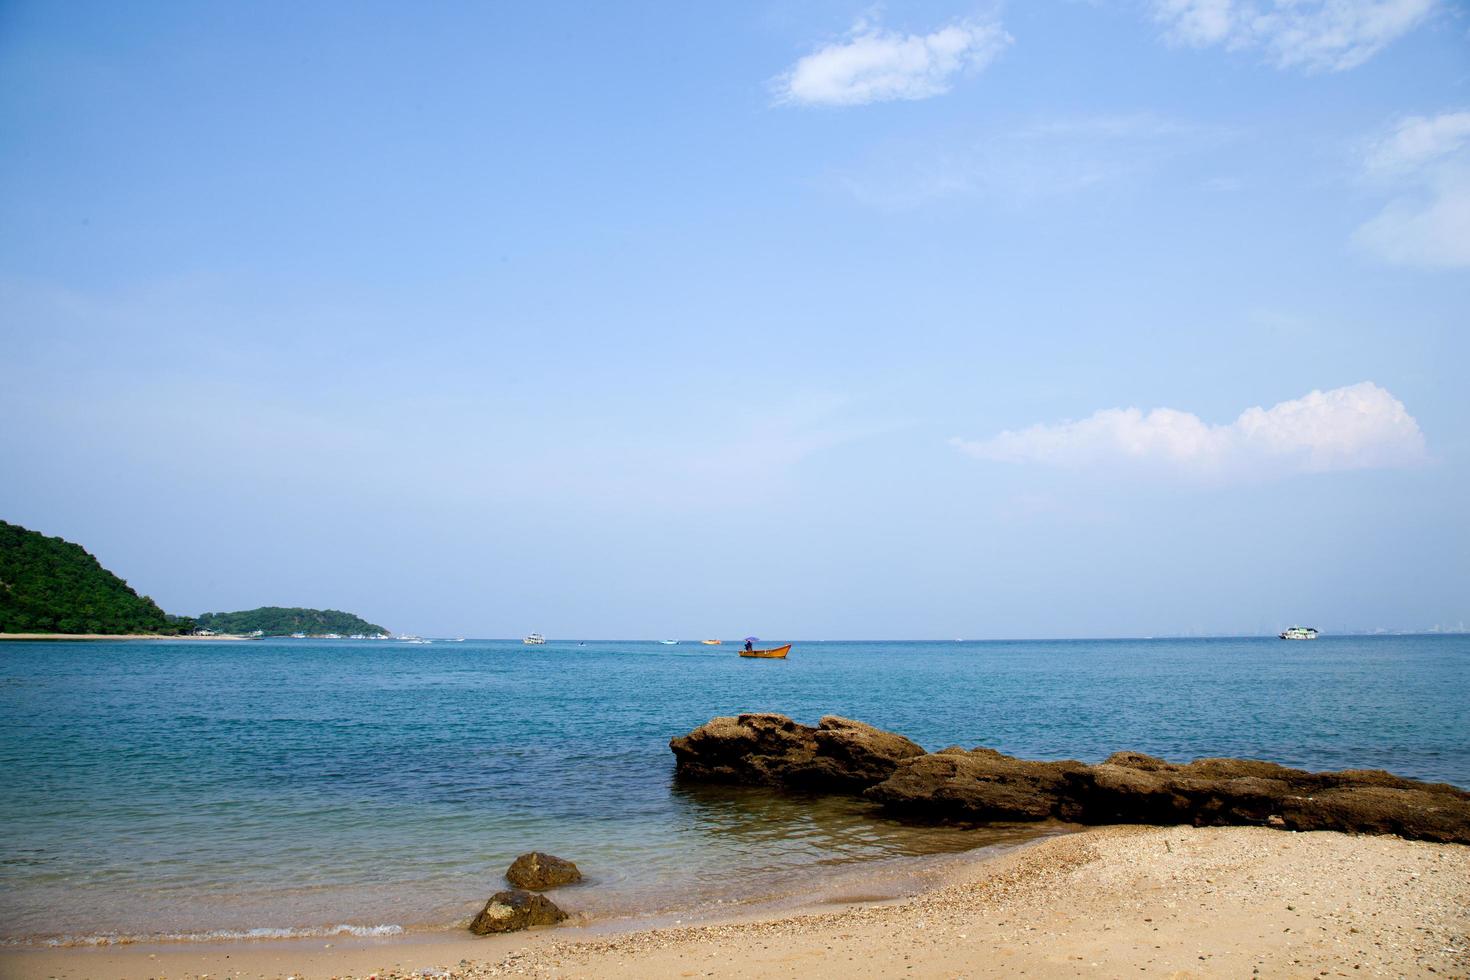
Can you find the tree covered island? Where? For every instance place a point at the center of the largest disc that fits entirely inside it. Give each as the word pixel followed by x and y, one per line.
pixel 283 621
pixel 49 585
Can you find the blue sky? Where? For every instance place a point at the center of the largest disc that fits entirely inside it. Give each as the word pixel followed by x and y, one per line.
pixel 829 320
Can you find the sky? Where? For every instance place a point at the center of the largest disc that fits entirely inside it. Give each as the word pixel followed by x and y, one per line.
pixel 829 320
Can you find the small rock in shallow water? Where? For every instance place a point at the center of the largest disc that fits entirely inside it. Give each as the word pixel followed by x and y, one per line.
pixel 510 911
pixel 538 872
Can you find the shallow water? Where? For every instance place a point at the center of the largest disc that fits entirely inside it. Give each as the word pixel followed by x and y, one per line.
pixel 167 788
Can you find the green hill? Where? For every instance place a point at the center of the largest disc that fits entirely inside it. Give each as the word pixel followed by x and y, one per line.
pixel 48 585
pixel 279 621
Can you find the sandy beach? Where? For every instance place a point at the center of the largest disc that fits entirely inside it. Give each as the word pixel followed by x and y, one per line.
pixel 1106 902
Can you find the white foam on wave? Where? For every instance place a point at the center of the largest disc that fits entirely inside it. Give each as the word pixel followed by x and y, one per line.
pixel 220 935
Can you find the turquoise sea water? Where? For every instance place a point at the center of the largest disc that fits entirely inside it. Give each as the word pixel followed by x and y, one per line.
pixel 193 789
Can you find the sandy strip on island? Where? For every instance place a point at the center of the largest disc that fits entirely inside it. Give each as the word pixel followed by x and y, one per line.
pixel 1106 902
pixel 120 636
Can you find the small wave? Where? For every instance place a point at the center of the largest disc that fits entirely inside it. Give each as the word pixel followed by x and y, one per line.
pixel 215 935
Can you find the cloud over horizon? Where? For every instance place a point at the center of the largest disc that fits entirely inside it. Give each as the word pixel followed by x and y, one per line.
pixel 1425 162
pixel 1360 426
pixel 873 65
pixel 1311 35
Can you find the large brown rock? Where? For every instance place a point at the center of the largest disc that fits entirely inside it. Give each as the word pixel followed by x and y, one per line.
pixel 750 748
pixel 1113 793
pixel 981 784
pixel 1138 789
pixel 851 756
pixel 1411 813
pixel 838 755
pixel 511 911
pixel 538 872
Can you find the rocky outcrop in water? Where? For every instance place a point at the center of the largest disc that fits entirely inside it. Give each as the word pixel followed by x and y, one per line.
pixel 1129 787
pixel 511 911
pixel 538 872
pixel 839 755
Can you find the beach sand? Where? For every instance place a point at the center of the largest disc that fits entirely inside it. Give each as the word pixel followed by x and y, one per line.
pixel 1106 902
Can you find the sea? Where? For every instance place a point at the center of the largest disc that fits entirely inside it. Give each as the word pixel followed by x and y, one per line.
pixel 188 790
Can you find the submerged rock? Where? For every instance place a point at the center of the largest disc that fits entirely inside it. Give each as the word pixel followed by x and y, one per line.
pixel 510 911
pixel 770 749
pixel 538 872
pixel 984 785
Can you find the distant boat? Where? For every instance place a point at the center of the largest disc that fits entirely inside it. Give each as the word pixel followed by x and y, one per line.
pixel 711 643
pixel 668 643
pixel 298 636
pixel 778 653
pixel 535 639
pixel 1298 633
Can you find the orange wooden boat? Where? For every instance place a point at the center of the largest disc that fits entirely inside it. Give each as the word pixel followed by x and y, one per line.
pixel 779 653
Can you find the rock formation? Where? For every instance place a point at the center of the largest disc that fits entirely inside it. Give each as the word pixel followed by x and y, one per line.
pixel 984 785
pixel 510 911
pixel 538 872
pixel 838 755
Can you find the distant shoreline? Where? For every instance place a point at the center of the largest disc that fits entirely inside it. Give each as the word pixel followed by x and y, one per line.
pixel 119 636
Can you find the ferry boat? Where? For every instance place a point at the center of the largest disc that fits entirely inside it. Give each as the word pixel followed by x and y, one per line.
pixel 1298 633
pixel 535 639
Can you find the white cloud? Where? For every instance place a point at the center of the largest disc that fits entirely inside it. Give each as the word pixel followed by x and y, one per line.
pixel 1313 35
pixel 1418 141
pixel 1358 427
pixel 872 65
pixel 1425 162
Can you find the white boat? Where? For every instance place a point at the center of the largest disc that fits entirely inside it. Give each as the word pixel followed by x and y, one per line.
pixel 535 639
pixel 298 636
pixel 669 643
pixel 1298 633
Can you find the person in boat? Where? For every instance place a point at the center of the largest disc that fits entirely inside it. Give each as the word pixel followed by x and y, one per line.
pixel 749 645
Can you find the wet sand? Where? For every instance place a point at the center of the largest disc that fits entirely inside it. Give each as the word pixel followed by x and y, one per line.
pixel 1106 902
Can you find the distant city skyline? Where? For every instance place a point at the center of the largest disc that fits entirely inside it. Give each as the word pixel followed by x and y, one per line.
pixel 914 321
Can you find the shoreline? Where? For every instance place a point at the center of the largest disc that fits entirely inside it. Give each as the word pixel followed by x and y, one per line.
pixel 1104 901
pixel 591 909
pixel 49 637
